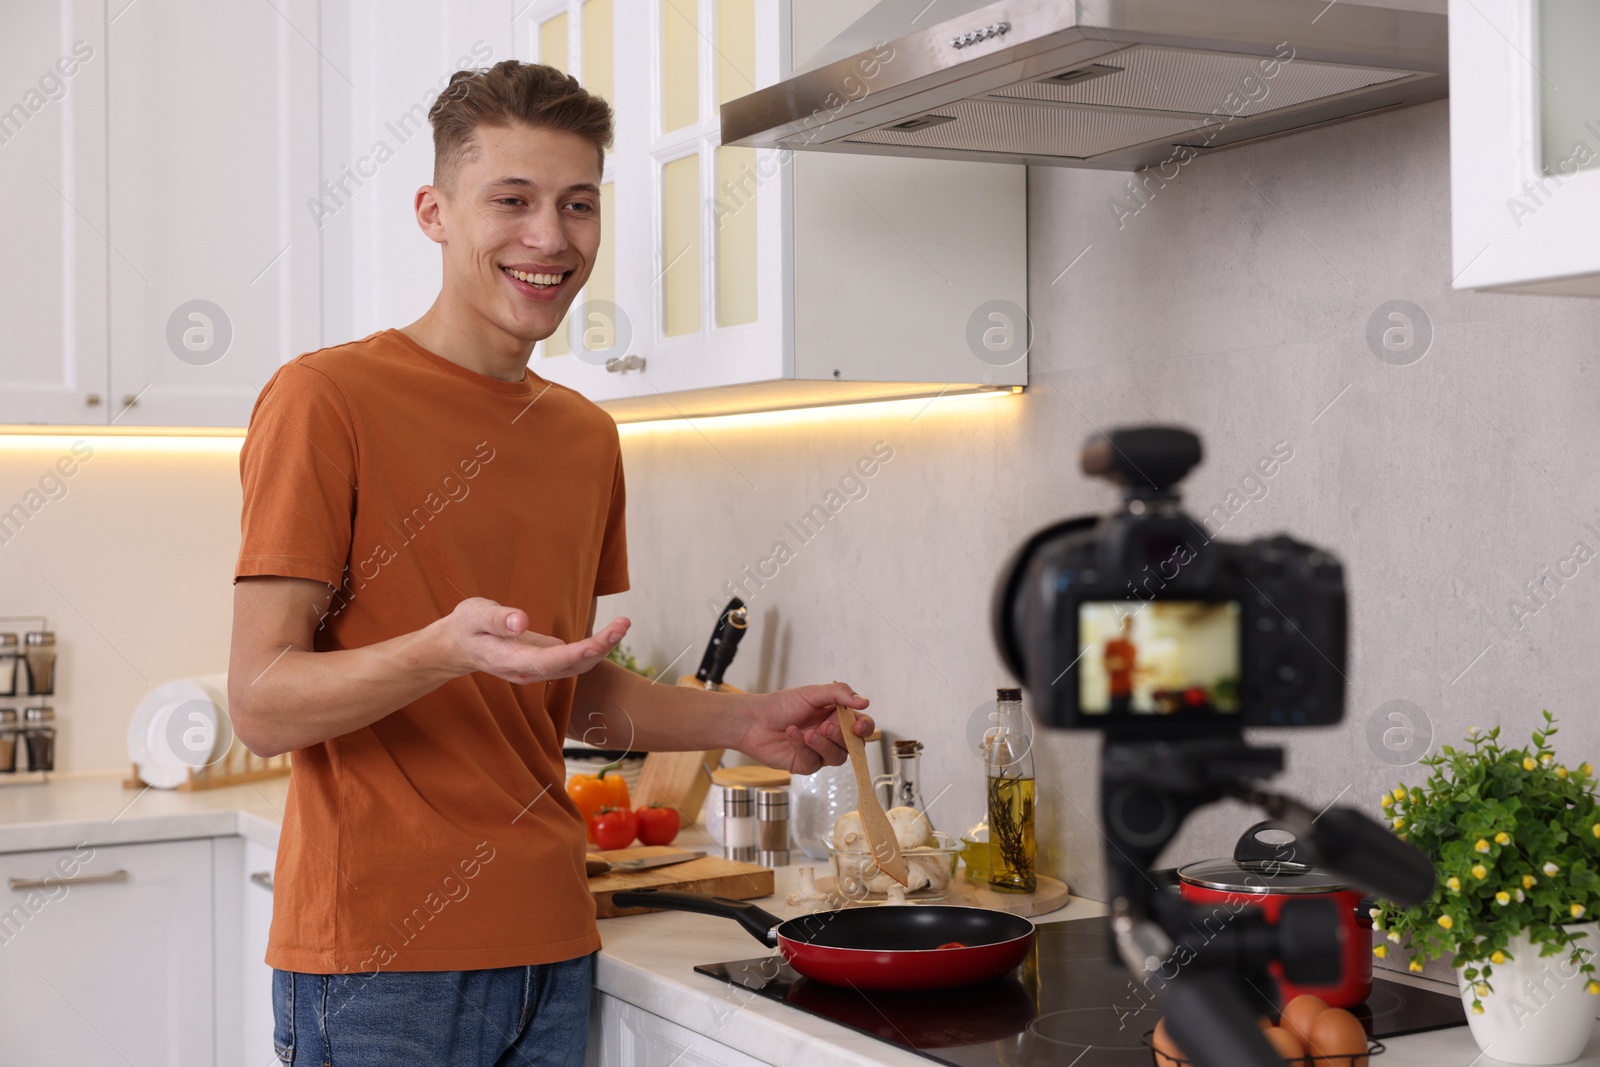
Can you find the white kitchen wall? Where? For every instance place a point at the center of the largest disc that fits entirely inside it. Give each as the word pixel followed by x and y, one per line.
pixel 131 560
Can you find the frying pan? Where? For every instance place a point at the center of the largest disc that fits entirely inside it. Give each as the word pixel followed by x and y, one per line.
pixel 884 948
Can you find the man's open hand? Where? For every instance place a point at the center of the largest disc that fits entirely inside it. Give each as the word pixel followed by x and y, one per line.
pixel 481 635
pixel 797 730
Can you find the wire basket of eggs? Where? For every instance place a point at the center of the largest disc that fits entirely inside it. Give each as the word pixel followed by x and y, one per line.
pixel 1309 1034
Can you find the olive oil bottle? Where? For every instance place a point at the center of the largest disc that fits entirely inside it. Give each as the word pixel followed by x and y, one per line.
pixel 1008 761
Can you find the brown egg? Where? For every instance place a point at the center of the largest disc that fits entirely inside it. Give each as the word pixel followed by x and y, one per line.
pixel 1264 1022
pixel 1337 1035
pixel 1300 1013
pixel 1167 1052
pixel 1284 1043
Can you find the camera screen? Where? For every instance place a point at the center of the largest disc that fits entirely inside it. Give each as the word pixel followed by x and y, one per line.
pixel 1158 657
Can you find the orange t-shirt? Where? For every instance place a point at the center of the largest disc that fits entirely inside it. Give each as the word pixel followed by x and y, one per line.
pixel 1119 659
pixel 440 837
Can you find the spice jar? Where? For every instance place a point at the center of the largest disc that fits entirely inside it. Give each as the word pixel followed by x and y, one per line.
pixel 8 740
pixel 10 657
pixel 772 826
pixel 739 823
pixel 40 653
pixel 39 737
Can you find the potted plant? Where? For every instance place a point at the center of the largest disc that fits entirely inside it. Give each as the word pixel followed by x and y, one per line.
pixel 1515 836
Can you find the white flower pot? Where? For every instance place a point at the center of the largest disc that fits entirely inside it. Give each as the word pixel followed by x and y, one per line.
pixel 1539 1010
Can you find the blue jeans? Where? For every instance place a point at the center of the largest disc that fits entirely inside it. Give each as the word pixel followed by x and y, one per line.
pixel 505 1017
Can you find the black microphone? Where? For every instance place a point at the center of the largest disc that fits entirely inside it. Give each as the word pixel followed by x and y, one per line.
pixel 1364 852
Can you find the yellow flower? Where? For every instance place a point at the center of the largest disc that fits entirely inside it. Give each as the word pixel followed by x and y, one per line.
pixel 1381 951
pixel 1528 764
pixel 1477 1009
pixel 1545 758
pixel 1561 772
pixel 1529 881
pixel 1454 883
pixel 1480 872
pixel 1416 965
pixel 1502 838
pixel 1551 870
pixel 1577 911
pixel 1399 792
pixel 1587 769
pixel 1519 896
pixel 1482 845
pixel 1374 913
pixel 1502 898
pixel 1498 957
pixel 1482 989
pixel 1472 731
pixel 1387 801
pixel 1399 824
pixel 1446 922
pixel 1394 935
pixel 1593 988
pixel 1596 829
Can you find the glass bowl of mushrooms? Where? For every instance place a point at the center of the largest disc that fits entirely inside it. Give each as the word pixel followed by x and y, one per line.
pixel 931 865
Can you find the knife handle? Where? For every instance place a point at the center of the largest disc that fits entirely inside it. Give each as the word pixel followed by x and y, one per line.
pixel 738 620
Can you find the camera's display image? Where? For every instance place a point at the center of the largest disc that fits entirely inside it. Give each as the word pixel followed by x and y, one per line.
pixel 1158 657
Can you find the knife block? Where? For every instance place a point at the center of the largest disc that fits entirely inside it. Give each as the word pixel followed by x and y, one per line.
pixel 680 779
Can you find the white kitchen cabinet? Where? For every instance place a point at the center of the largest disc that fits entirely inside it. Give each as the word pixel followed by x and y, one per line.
pixel 213 192
pixel 625 1035
pixel 53 177
pixel 242 891
pixel 164 257
pixel 107 954
pixel 1525 146
pixel 754 279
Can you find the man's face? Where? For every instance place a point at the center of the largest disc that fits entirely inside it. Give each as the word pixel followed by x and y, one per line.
pixel 529 203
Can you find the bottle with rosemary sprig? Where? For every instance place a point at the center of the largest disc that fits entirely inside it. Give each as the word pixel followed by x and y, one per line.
pixel 1008 762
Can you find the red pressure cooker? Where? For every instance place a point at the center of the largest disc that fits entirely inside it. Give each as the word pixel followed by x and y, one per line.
pixel 1267 875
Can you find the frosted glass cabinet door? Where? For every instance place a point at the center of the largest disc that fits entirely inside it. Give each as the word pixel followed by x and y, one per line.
pixel 717 307
pixel 1525 145
pixel 53 183
pixel 584 38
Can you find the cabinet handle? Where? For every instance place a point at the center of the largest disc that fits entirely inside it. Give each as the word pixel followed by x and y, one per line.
pixel 129 399
pixel 263 879
pixel 19 884
pixel 93 400
pixel 625 364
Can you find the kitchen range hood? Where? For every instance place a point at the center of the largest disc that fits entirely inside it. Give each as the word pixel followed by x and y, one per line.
pixel 1112 84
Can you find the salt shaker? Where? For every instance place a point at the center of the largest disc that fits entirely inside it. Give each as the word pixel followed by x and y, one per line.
pixel 738 823
pixel 772 826
pixel 10 659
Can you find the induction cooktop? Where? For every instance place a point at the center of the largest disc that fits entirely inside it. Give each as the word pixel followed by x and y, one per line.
pixel 1068 1002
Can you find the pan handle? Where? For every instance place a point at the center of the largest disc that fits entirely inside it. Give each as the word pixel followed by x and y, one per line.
pixel 760 924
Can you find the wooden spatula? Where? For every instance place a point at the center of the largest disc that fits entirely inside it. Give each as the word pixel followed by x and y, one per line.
pixel 880 834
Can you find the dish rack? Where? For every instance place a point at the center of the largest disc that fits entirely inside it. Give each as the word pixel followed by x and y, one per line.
pixel 237 767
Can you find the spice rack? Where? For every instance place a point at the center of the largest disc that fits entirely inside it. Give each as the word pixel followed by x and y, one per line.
pixel 17 701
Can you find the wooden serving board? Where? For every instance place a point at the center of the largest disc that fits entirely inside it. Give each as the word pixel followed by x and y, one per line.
pixel 710 874
pixel 1051 895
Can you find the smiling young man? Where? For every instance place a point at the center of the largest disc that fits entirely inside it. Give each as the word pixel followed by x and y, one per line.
pixel 426 527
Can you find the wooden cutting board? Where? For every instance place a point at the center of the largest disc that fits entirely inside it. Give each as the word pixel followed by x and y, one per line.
pixel 710 874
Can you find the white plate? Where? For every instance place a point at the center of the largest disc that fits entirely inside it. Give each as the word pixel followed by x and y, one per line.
pixel 179 726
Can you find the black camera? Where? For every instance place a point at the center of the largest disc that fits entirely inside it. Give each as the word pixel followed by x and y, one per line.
pixel 1139 623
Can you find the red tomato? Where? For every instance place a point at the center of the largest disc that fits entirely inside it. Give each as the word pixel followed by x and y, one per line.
pixel 658 824
pixel 613 828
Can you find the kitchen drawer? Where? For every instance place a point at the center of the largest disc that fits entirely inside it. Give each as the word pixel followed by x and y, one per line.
pixel 105 954
pixel 625 1035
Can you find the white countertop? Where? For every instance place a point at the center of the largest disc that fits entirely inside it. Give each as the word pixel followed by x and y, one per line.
pixel 647 961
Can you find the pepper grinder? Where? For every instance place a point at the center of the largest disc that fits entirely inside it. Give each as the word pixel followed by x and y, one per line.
pixel 39 735
pixel 40 652
pixel 772 826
